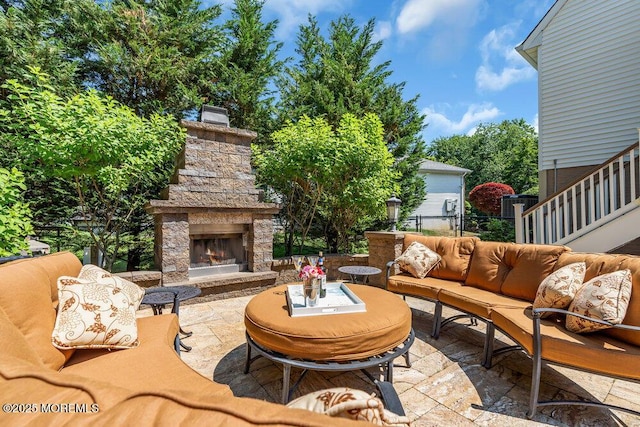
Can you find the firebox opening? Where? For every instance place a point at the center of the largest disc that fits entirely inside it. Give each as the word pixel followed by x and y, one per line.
pixel 221 249
pixel 217 249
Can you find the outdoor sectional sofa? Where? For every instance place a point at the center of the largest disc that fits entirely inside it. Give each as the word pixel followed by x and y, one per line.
pixel 497 282
pixel 145 385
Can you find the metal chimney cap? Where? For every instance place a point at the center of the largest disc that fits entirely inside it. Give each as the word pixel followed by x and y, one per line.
pixel 214 115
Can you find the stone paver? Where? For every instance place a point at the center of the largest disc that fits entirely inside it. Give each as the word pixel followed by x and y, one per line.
pixel 445 385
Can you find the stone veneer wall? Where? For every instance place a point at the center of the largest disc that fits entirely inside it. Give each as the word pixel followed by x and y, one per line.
pixel 213 184
pixel 384 246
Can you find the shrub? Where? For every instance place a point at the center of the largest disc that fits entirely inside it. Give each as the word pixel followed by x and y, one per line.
pixel 15 216
pixel 499 230
pixel 487 197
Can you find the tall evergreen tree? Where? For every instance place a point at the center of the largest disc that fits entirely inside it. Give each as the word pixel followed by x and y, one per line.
pixel 337 75
pixel 157 56
pixel 250 67
pixel 50 35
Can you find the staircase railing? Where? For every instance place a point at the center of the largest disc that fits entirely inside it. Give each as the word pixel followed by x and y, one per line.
pixel 607 192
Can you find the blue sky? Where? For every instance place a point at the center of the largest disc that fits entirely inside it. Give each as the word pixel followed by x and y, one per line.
pixel 457 55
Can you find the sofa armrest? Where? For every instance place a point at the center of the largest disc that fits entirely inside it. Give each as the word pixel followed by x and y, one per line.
pixel 175 309
pixel 388 274
pixel 537 312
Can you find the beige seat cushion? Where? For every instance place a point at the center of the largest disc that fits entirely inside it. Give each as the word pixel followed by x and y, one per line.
pixel 455 253
pixel 429 287
pixel 478 301
pixel 596 352
pixel 121 367
pixel 153 405
pixel 348 336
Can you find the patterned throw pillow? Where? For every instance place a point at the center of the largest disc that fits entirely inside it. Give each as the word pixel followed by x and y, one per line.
pixel 605 297
pixel 93 272
pixel 349 403
pixel 418 260
pixel 559 288
pixel 96 313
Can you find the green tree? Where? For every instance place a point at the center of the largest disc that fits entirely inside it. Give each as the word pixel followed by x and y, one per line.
pixel 156 56
pixel 505 152
pixel 47 34
pixel 338 75
pixel 15 215
pixel 112 158
pixel 343 176
pixel 250 68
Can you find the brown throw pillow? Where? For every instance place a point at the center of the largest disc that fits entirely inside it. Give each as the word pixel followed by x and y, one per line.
pixel 604 297
pixel 349 403
pixel 559 288
pixel 418 260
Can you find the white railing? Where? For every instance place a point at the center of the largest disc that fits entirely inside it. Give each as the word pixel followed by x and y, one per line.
pixel 591 201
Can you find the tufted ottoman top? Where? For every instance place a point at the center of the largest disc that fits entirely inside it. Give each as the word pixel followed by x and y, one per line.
pixel 334 337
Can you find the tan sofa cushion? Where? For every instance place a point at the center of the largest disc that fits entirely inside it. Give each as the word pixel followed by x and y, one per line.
pixel 425 288
pixel 593 352
pixel 514 270
pixel 24 382
pixel 55 265
pixel 455 253
pixel 25 297
pixel 598 264
pixel 122 367
pixel 166 408
pixel 477 301
pixel 13 343
pixel 345 336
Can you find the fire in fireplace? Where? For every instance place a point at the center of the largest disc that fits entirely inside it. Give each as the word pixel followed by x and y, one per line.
pixel 207 251
pixel 216 249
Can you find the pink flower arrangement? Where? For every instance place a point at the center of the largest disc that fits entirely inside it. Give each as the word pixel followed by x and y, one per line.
pixel 310 271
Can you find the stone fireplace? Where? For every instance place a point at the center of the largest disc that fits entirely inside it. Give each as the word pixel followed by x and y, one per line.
pixel 210 220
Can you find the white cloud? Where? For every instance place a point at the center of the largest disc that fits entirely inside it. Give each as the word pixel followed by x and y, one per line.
pixel 497 50
pixel 535 123
pixel 419 14
pixel 383 30
pixel 475 114
pixel 292 13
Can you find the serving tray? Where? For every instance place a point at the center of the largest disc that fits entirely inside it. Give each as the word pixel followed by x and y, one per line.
pixel 339 299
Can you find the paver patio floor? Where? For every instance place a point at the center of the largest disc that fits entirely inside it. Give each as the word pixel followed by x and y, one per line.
pixel 445 386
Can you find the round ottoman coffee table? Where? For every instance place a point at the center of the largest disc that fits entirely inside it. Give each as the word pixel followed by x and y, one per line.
pixel 332 342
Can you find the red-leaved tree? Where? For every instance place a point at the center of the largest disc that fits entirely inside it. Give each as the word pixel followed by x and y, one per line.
pixel 486 197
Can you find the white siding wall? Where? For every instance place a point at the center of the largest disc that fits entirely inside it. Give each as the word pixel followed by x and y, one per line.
pixel 440 187
pixel 589 82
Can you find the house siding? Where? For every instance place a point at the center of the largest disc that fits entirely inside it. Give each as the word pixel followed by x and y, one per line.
pixel 589 83
pixel 440 187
